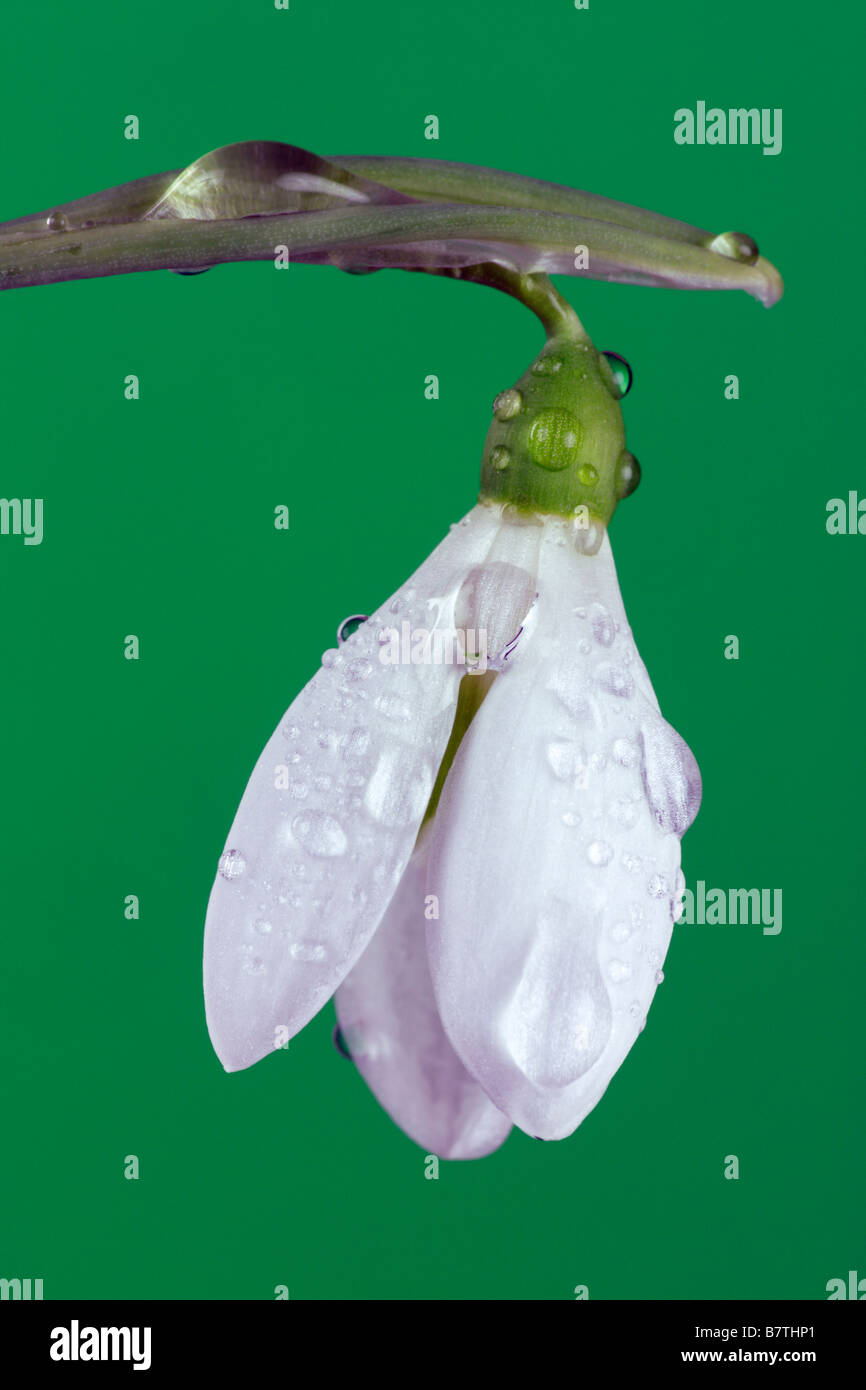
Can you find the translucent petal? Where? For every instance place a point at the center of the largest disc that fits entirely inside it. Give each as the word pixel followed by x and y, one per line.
pixel 391 1026
pixel 555 854
pixel 329 816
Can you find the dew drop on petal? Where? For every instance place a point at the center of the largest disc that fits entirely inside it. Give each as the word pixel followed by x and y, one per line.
pixel 657 886
pixel 671 777
pixel 330 658
pixel 625 812
pixel 349 626
pixel 232 864
pixel 392 707
pixel 357 743
pixel 615 681
pixel 588 538
pixel 601 622
pixel 599 853
pixel 625 752
pixel 307 951
pixel 618 971
pixel 339 1041
pixel 565 758
pixel 320 834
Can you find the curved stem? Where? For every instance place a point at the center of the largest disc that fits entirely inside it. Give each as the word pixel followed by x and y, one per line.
pixel 535 291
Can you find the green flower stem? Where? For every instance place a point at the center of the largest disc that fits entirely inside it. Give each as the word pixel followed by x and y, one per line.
pixel 534 291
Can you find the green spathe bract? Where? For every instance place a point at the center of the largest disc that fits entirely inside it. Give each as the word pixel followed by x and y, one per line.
pixel 558 449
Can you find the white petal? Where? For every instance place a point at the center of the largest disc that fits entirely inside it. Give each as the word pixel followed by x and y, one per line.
pixel 389 1020
pixel 329 817
pixel 555 855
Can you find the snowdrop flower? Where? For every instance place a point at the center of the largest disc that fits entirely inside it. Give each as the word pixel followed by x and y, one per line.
pixel 480 859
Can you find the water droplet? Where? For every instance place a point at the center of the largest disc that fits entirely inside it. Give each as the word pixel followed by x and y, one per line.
pixel 548 364
pixel 320 834
pixel 307 951
pixel 603 629
pixel 57 222
pixel 657 887
pixel 331 658
pixel 626 475
pixel 599 853
pixel 500 457
pixel 624 752
pixel 583 647
pixel 622 373
pixel 397 605
pixel 660 974
pixel 671 777
pixel 618 971
pixel 588 536
pixel 291 731
pixel 508 404
pixel 620 931
pixel 322 784
pixel 232 864
pixel 349 626
pixel 631 863
pixel 340 1044
pixel 253 965
pixel 625 812
pixel 737 246
pixel 580 612
pixel 392 707
pixel 299 790
pixel 566 759
pixel 615 681
pixel 357 743
pixel 553 439
pixel 262 926
pixel 587 474
pixel 570 818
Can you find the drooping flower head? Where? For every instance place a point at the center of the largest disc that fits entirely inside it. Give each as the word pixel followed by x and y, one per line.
pixel 468 823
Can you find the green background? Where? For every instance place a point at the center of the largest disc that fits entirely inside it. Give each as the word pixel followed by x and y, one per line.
pixel 306 388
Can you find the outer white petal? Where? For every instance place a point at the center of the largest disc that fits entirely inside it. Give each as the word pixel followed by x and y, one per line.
pixel 389 1020
pixel 555 855
pixel 329 817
